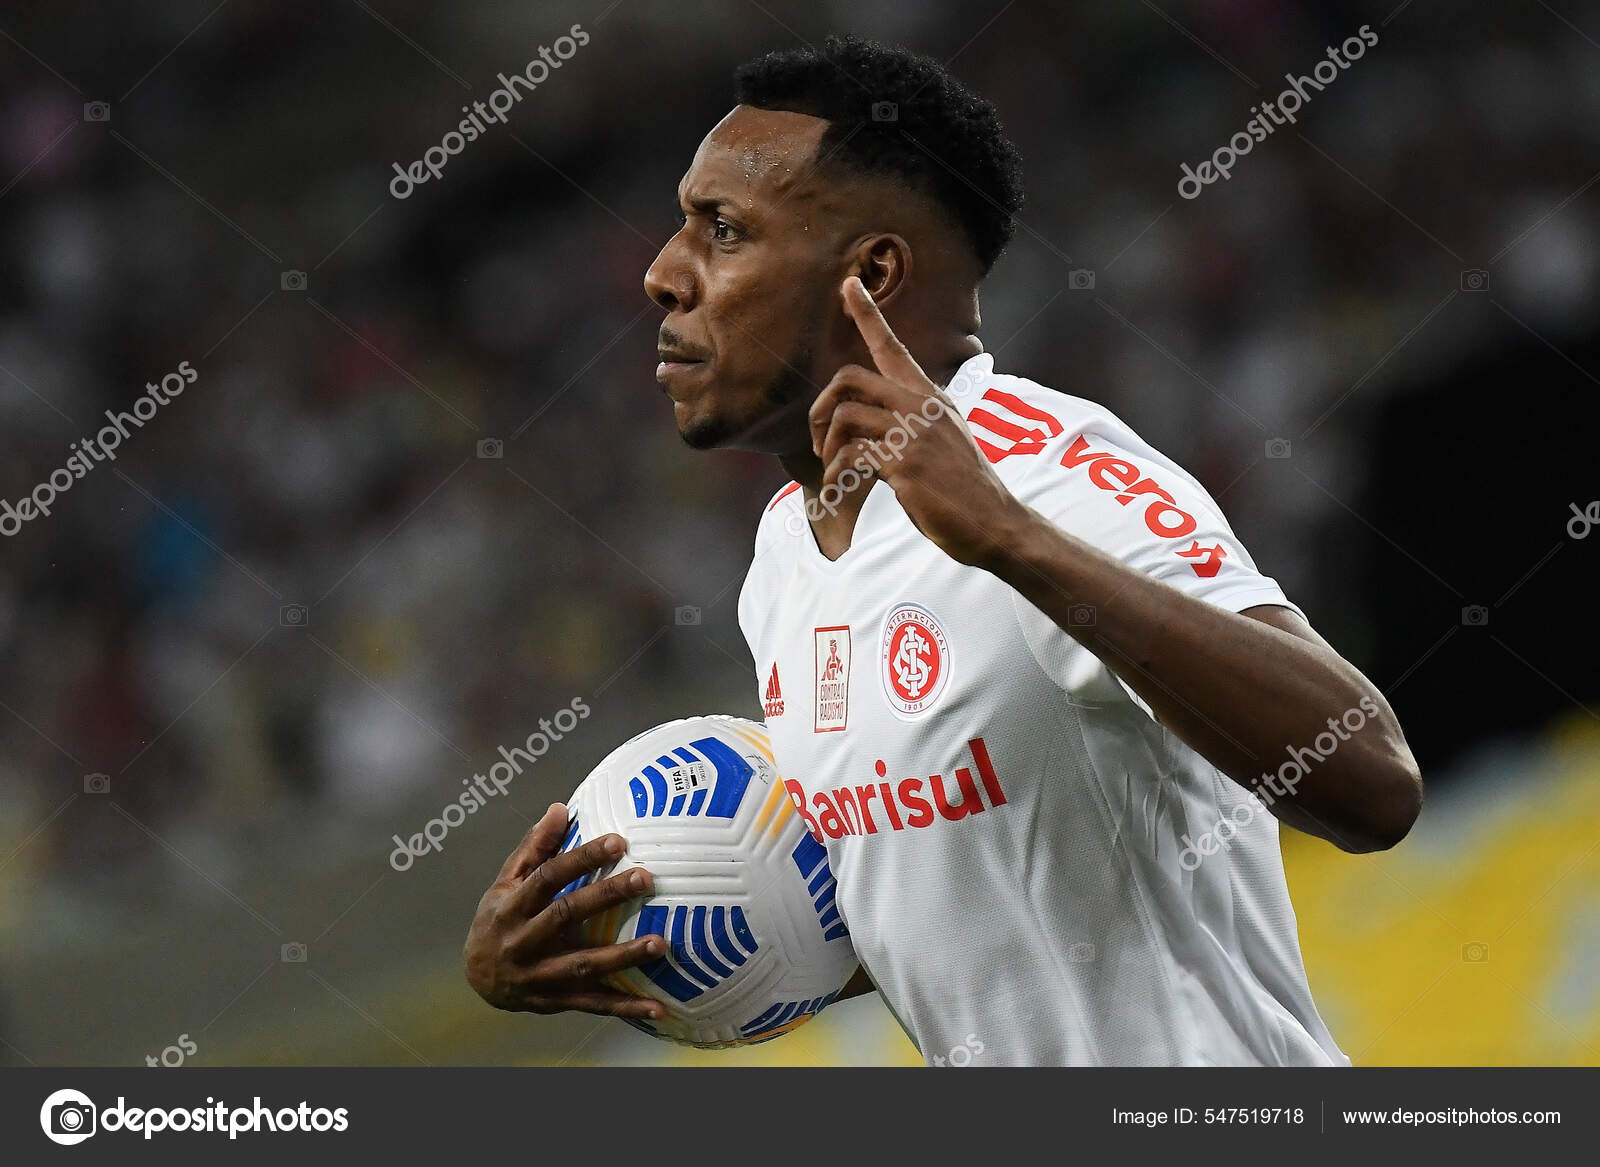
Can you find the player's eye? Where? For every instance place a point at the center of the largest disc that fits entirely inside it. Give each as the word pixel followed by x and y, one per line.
pixel 722 231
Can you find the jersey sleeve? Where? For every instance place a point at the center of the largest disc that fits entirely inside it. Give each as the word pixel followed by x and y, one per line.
pixel 755 594
pixel 1089 474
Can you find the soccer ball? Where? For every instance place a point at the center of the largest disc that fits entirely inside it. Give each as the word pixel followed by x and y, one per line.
pixel 743 893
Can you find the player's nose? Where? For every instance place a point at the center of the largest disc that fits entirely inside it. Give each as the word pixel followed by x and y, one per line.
pixel 668 281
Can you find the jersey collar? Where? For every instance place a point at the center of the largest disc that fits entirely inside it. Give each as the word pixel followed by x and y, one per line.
pixel 880 510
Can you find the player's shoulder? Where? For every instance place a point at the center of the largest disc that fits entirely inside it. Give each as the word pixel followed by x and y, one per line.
pixel 1060 453
pixel 1014 419
pixel 782 518
pixel 1048 444
pixel 782 515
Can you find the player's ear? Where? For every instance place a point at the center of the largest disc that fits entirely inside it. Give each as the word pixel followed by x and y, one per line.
pixel 882 262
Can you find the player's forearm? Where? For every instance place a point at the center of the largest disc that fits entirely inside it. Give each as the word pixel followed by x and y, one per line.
pixel 1240 692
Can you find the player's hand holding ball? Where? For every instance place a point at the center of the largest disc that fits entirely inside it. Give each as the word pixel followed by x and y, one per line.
pixel 894 422
pixel 523 952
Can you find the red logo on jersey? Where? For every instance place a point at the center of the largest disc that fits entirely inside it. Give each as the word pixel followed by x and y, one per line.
pixel 1162 515
pixel 916 659
pixel 849 810
pixel 833 669
pixel 831 708
pixel 1212 563
pixel 1021 438
pixel 774 704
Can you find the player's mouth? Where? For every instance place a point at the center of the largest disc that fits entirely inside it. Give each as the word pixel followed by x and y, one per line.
pixel 675 362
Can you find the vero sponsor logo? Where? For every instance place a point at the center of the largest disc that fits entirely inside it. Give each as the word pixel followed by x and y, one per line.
pixel 1124 479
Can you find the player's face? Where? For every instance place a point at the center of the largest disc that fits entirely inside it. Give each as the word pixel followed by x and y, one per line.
pixel 750 283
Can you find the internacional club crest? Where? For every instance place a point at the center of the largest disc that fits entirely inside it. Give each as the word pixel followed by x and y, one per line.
pixel 916 659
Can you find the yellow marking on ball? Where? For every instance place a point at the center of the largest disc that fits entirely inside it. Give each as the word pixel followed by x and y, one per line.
pixel 777 796
pixel 762 745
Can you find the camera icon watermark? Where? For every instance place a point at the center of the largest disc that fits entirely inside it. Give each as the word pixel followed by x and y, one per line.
pixel 961 386
pixel 686 615
pixel 1278 447
pixel 489 448
pixel 1475 952
pixel 292 953
pixel 1474 279
pixel 1080 616
pixel 1080 279
pixel 294 615
pixel 97 111
pixel 67 1117
pixel 292 281
pixel 97 783
pixel 1474 616
pixel 885 111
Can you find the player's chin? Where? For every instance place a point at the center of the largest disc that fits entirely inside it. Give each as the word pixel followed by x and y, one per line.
pixel 707 422
pixel 701 429
pixel 720 418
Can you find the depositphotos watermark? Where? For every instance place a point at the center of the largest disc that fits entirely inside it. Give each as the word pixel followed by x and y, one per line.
pixel 89 452
pixel 1582 522
pixel 69 1117
pixel 500 103
pixel 895 440
pixel 1290 102
pixel 962 1055
pixel 175 1054
pixel 1275 786
pixel 480 788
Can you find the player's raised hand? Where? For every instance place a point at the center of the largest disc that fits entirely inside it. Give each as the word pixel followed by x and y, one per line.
pixel 893 422
pixel 523 952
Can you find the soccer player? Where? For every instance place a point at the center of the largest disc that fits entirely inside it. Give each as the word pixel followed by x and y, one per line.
pixel 1037 700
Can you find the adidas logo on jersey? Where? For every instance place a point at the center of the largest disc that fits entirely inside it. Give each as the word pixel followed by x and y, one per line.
pixel 774 699
pixel 856 810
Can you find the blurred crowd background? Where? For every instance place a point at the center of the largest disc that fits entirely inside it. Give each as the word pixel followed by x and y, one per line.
pixel 425 490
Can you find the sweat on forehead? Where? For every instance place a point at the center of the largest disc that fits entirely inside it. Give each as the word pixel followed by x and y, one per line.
pixel 766 144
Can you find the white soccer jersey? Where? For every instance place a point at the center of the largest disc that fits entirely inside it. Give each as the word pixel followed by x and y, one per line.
pixel 1007 823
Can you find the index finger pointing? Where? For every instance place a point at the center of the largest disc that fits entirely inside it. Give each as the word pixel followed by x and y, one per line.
pixel 891 357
